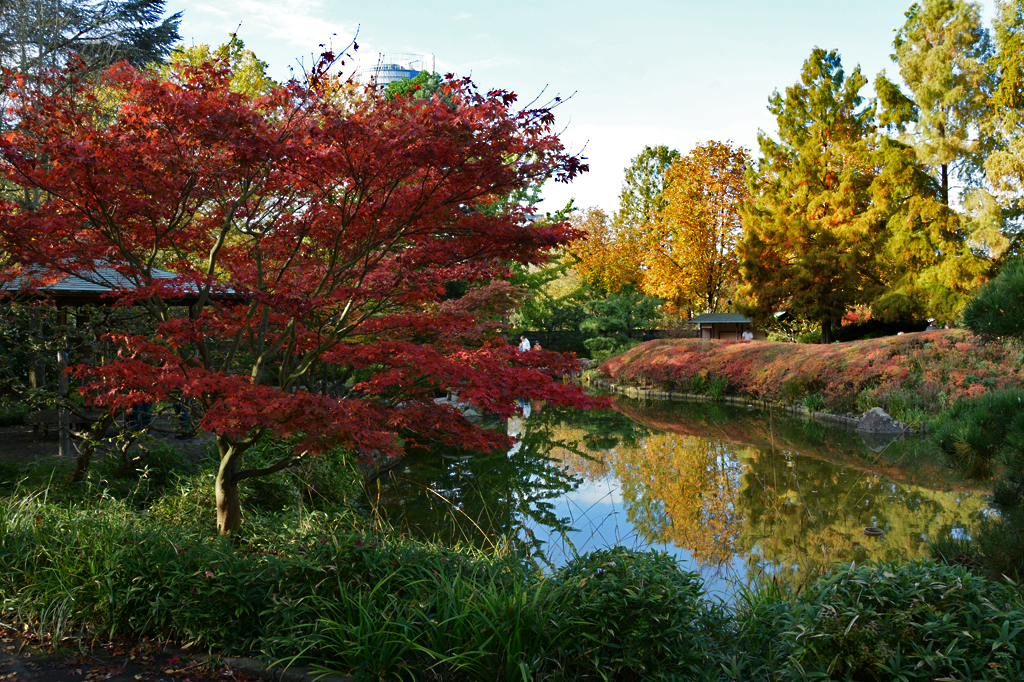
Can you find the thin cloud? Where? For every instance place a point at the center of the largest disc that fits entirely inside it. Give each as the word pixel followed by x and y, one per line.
pixel 462 15
pixel 298 24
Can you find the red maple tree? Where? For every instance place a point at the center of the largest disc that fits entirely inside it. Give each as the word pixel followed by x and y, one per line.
pixel 311 237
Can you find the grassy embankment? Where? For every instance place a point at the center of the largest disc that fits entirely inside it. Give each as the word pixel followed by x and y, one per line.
pixel 912 377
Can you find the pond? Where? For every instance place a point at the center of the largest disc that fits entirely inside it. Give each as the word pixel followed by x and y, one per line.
pixel 730 492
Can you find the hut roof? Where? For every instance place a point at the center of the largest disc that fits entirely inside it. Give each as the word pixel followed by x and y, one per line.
pixel 98 287
pixel 719 318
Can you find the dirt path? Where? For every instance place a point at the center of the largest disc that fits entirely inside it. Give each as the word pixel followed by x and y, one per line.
pixel 20 662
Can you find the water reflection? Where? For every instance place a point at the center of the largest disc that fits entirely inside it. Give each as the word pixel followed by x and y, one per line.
pixel 728 492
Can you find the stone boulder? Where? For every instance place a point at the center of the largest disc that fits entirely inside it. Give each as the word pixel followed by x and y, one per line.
pixel 877 420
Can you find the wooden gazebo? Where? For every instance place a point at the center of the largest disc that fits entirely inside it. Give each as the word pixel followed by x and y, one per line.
pixel 99 286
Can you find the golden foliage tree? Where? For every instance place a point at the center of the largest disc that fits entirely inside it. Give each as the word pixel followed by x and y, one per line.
pixel 607 258
pixel 690 253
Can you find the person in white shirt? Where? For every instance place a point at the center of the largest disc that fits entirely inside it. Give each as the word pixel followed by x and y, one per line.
pixel 524 343
pixel 748 335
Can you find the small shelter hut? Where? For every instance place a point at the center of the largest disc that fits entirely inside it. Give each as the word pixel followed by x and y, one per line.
pixel 726 326
pixel 98 286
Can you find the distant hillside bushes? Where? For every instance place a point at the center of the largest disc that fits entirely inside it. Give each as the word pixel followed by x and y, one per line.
pixel 910 376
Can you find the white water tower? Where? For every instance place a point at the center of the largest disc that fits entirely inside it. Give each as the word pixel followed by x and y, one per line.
pixel 396 66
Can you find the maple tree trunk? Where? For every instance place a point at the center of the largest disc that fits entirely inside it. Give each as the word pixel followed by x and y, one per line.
pixel 88 446
pixel 229 509
pixel 826 330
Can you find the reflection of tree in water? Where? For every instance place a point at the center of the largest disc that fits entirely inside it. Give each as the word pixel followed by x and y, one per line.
pixel 683 490
pixel 677 489
pixel 789 497
pixel 789 514
pixel 460 496
pixel 803 514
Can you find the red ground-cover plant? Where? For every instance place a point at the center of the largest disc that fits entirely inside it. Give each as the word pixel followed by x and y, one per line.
pixel 923 371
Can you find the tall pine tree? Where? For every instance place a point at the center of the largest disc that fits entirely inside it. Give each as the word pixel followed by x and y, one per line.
pixel 810 232
pixel 942 51
pixel 36 34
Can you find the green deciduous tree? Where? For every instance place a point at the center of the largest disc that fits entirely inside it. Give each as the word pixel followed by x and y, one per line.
pixel 421 87
pixel 643 187
pixel 810 234
pixel 248 72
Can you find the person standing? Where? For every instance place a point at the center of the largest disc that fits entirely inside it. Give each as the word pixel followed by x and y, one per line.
pixel 524 343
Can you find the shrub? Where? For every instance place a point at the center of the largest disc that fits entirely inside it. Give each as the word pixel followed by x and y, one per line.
pixel 634 615
pixel 792 389
pixel 916 621
pixel 812 336
pixel 977 433
pixel 994 310
pixel 13 414
pixel 995 547
pixel 981 436
pixel 145 474
pixel 327 482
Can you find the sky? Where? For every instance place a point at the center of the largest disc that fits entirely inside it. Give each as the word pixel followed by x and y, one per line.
pixel 643 72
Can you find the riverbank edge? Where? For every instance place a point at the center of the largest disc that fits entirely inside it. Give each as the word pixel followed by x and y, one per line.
pixel 796 410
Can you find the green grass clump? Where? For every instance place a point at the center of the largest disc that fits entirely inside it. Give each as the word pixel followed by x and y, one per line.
pixel 917 621
pixel 813 402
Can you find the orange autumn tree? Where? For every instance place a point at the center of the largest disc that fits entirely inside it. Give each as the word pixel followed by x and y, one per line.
pixel 690 255
pixel 611 256
pixel 606 257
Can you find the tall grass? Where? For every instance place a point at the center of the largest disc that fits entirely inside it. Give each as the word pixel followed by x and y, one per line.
pixel 314 584
pixel 312 588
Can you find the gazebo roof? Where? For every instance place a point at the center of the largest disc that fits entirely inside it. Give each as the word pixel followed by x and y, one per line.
pixel 719 318
pixel 102 284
